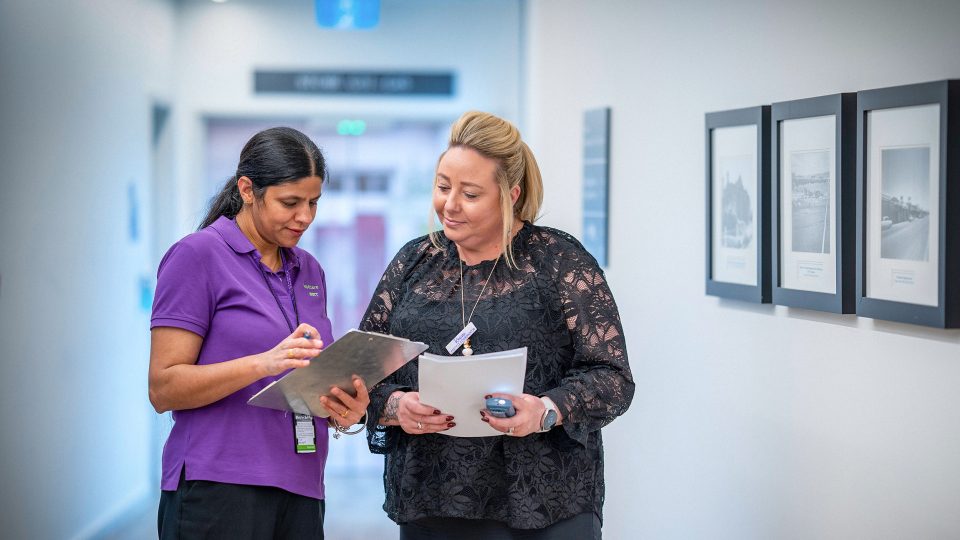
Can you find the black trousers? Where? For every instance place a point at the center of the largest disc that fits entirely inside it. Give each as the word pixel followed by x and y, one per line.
pixel 202 509
pixel 584 526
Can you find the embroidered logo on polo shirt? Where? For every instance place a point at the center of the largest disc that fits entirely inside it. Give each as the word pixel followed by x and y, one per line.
pixel 314 289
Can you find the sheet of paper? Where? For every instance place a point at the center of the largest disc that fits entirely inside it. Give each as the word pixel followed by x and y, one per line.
pixel 369 355
pixel 456 385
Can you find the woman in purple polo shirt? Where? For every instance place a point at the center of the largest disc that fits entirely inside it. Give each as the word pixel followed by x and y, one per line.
pixel 237 306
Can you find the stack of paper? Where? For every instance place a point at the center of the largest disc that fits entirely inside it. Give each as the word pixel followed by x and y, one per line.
pixel 457 385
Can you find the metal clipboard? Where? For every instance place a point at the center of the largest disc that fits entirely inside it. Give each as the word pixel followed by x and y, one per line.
pixel 370 355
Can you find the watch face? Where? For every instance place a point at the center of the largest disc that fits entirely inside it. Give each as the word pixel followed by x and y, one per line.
pixel 549 420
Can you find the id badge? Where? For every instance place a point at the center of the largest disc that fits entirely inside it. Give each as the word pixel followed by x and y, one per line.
pixel 304 433
pixel 461 338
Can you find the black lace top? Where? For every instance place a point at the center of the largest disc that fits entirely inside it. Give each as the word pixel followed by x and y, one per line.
pixel 557 304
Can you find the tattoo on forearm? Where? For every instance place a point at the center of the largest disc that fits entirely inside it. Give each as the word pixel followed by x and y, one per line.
pixel 390 411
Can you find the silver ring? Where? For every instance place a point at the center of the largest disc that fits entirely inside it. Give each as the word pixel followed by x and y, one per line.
pixel 510 431
pixel 419 426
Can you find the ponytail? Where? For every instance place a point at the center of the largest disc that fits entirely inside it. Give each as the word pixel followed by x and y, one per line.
pixel 226 203
pixel 528 204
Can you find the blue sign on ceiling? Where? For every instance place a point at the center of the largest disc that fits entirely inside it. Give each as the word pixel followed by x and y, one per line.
pixel 348 14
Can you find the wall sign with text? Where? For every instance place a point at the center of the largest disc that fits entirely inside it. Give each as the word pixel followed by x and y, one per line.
pixel 353 83
pixel 596 181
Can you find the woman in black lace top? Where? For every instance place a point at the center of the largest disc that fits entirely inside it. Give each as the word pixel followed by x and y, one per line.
pixel 521 285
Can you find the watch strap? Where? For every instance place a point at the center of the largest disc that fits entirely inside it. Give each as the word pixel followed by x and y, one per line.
pixel 548 406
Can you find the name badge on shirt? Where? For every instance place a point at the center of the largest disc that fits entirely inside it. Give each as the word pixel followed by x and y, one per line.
pixel 461 338
pixel 305 434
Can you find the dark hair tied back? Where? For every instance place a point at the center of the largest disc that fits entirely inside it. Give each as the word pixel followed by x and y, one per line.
pixel 272 157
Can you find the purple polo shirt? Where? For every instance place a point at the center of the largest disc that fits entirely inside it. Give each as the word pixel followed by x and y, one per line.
pixel 211 284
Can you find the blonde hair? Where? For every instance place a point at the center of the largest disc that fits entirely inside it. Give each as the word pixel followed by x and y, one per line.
pixel 499 140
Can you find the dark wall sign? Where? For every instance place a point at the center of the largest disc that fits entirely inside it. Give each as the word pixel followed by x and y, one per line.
pixel 596 181
pixel 353 83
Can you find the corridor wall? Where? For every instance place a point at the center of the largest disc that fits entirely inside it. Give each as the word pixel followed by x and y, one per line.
pixel 749 421
pixel 77 84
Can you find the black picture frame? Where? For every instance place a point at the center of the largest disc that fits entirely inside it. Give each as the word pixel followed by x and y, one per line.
pixel 843 108
pixel 760 118
pixel 944 314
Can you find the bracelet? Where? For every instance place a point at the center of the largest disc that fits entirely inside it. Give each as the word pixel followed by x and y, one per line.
pixel 345 431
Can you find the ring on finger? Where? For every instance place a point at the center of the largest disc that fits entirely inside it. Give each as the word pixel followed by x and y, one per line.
pixel 289 353
pixel 510 430
pixel 343 414
pixel 419 426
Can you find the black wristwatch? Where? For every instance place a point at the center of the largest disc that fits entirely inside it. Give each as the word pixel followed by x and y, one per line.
pixel 549 418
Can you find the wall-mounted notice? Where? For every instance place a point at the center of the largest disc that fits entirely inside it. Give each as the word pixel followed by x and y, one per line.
pixel 596 176
pixel 391 83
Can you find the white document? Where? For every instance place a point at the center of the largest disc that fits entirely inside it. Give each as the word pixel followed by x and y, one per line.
pixel 456 385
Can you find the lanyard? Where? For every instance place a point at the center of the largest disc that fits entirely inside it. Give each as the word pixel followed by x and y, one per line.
pixel 305 437
pixel 293 296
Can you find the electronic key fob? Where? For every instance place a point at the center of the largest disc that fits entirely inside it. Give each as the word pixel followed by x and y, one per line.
pixel 500 407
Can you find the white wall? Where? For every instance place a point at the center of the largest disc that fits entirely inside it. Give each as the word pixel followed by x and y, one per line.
pixel 749 421
pixel 78 80
pixel 221 45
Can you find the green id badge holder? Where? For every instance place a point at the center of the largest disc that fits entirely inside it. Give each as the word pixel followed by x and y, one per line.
pixel 305 435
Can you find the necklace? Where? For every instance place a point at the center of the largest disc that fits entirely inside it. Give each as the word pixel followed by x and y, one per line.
pixel 467 349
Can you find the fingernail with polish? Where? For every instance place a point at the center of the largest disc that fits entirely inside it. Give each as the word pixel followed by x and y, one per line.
pixel 436 411
pixel 450 424
pixel 485 419
pixel 488 396
pixel 449 419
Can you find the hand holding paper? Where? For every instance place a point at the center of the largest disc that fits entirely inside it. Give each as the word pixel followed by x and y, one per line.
pixel 457 385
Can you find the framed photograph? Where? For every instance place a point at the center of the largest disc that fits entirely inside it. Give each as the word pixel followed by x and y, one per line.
pixel 738 199
pixel 908 205
pixel 813 206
